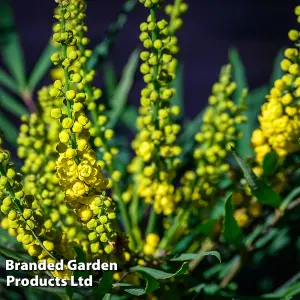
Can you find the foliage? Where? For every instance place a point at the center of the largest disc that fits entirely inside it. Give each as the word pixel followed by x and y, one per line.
pixel 186 208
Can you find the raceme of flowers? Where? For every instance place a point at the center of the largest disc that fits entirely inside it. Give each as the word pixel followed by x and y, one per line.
pixel 279 120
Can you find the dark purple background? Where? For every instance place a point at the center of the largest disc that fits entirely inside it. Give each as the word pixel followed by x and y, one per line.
pixel 257 28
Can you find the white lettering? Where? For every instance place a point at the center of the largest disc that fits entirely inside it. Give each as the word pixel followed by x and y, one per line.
pixel 9 265
pixel 9 280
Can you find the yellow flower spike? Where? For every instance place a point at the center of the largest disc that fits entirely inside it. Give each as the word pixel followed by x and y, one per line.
pixel 217 134
pixel 279 124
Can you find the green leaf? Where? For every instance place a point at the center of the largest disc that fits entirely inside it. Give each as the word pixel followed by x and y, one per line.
pixel 7 81
pixel 151 276
pixel 289 198
pixel 129 117
pixel 42 66
pixel 277 71
pixel 101 51
pixel 254 101
pixel 151 285
pixel 191 256
pixel 187 137
pixel 10 44
pixel 239 73
pixel 259 188
pixel 120 97
pixel 158 274
pixel 80 258
pixel 104 286
pixel 231 230
pixel 8 129
pixel 270 163
pixel 178 85
pixel 11 104
pixel 107 297
pixel 110 79
pixel 14 255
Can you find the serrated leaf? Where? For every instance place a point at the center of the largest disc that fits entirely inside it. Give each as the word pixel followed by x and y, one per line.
pixel 8 82
pixel 151 276
pixel 101 51
pixel 10 44
pixel 120 97
pixel 270 163
pixel 231 230
pixel 259 188
pixel 178 85
pixel 158 274
pixel 42 66
pixel 105 285
pixel 151 285
pixel 11 104
pixel 191 256
pixel 8 129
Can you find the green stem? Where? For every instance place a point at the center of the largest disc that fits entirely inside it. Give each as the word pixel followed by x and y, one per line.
pixel 154 37
pixel 134 211
pixel 117 189
pixel 67 84
pixel 151 221
pixel 183 213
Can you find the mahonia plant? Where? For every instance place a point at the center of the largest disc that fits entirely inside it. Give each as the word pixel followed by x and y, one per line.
pixel 279 120
pixel 70 192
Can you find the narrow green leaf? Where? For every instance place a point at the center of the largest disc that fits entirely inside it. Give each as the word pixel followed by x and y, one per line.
pixel 104 286
pixel 110 79
pixel 10 44
pixel 42 66
pixel 187 137
pixel 270 163
pixel 120 97
pixel 129 117
pixel 12 254
pixel 239 73
pixel 254 101
pixel 231 230
pixel 8 82
pixel 8 129
pixel 259 188
pixel 289 198
pixel 107 297
pixel 11 104
pixel 178 85
pixel 101 51
pixel 277 71
pixel 192 256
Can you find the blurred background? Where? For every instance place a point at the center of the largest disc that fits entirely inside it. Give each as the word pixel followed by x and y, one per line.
pixel 258 29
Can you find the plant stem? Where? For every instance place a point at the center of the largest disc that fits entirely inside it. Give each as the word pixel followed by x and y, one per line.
pixel 117 189
pixel 250 248
pixel 151 221
pixel 183 213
